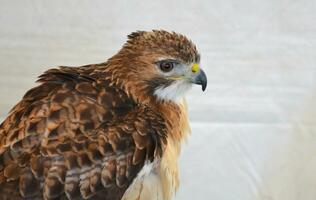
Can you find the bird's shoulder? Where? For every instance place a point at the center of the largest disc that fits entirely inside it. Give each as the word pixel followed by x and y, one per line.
pixel 78 135
pixel 65 95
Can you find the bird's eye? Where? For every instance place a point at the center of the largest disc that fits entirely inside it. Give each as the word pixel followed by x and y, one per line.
pixel 166 66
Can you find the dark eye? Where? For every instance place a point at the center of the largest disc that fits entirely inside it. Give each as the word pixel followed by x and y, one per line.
pixel 166 66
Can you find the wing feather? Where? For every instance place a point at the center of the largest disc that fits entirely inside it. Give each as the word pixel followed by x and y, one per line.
pixel 75 137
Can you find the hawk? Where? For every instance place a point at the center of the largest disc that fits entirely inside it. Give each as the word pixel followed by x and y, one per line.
pixel 106 131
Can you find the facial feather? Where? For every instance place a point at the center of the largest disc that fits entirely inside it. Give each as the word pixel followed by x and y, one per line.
pixel 173 92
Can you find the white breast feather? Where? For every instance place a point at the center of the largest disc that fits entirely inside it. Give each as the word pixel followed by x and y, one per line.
pixel 147 185
pixel 157 180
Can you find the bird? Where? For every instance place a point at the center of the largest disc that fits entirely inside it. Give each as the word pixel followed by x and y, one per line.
pixel 110 131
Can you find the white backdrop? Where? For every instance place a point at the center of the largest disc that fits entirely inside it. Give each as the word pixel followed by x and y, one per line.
pixel 253 130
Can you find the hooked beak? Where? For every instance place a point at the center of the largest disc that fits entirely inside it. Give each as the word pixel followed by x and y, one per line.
pixel 200 79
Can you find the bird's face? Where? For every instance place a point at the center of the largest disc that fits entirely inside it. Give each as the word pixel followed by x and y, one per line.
pixel 176 78
pixel 166 63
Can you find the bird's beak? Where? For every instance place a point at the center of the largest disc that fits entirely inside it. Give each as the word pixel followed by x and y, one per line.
pixel 199 76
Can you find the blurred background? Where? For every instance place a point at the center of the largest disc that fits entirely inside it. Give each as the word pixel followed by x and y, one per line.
pixel 253 130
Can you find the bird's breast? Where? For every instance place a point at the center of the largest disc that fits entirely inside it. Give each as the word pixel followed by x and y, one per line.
pixel 157 180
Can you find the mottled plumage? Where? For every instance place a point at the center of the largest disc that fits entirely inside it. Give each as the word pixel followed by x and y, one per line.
pixel 86 132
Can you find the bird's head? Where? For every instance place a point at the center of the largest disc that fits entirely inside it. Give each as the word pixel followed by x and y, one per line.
pixel 164 64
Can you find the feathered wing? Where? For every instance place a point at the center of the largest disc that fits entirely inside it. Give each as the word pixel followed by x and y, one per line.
pixel 75 136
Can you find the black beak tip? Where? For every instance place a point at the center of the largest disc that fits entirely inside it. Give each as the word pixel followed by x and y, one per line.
pixel 201 79
pixel 204 87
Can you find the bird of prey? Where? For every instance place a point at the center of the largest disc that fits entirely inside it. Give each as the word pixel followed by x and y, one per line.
pixel 106 131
